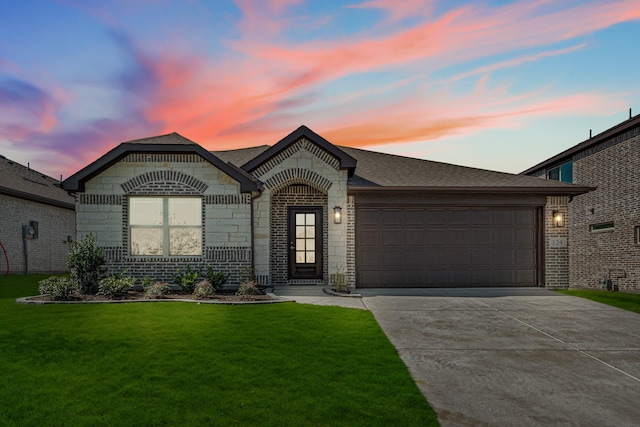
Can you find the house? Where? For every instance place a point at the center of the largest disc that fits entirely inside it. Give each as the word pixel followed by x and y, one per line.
pixel 304 210
pixel 604 224
pixel 37 221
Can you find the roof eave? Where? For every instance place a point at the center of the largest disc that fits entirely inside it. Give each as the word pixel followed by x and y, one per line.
pixel 36 198
pixel 549 191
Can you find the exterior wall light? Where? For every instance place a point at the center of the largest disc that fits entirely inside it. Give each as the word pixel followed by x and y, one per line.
pixel 558 219
pixel 337 215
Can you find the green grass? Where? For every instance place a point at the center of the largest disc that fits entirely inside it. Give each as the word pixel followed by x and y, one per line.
pixel 186 364
pixel 622 300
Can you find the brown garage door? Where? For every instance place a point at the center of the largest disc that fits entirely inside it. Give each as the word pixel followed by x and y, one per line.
pixel 439 247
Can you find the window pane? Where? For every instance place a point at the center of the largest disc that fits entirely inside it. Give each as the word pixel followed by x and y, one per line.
pixel 554 174
pixel 185 211
pixel 566 172
pixel 146 241
pixel 299 257
pixel 300 245
pixel 145 211
pixel 310 231
pixel 311 244
pixel 311 257
pixel 311 219
pixel 299 219
pixel 185 241
pixel 300 232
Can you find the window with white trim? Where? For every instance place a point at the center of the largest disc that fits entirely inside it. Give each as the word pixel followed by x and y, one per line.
pixel 165 226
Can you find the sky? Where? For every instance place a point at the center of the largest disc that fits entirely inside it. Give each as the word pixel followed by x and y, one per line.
pixel 499 85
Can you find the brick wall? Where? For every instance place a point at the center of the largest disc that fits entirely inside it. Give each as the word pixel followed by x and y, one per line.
pixel 613 168
pixel 294 195
pixel 46 254
pixel 556 243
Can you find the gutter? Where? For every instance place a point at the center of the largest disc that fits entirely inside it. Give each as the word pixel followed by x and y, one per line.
pixel 36 198
pixel 570 190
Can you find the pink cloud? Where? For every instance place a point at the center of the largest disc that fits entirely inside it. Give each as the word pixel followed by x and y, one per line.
pixel 398 10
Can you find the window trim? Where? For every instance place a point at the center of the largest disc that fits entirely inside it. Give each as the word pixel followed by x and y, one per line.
pixel 165 227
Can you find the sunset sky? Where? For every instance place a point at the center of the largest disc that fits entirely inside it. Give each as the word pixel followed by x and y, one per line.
pixel 497 85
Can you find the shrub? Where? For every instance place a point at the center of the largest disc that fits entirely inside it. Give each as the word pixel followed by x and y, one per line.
pixel 204 289
pixel 58 288
pixel 249 288
pixel 86 264
pixel 157 290
pixel 187 279
pixel 115 285
pixel 217 279
pixel 147 281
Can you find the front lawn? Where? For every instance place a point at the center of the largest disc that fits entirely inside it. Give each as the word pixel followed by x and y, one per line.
pixel 622 300
pixel 190 364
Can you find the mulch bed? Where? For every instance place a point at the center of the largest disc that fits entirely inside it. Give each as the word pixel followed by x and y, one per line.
pixel 139 296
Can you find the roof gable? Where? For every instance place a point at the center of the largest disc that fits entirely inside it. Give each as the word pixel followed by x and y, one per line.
pixel 170 143
pixel 344 160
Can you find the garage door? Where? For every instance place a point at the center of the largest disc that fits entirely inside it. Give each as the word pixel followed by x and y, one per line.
pixel 440 247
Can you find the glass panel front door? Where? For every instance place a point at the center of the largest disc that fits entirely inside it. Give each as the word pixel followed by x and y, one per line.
pixel 305 242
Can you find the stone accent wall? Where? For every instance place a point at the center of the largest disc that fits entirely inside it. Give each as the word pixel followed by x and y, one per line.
pixel 48 253
pixel 294 195
pixel 103 210
pixel 302 163
pixel 556 243
pixel 613 168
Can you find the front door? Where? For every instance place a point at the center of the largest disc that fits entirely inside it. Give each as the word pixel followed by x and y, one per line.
pixel 305 242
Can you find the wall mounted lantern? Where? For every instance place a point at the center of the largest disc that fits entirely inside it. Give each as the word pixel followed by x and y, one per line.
pixel 558 219
pixel 337 215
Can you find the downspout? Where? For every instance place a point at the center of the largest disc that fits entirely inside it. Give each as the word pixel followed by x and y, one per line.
pixel 24 249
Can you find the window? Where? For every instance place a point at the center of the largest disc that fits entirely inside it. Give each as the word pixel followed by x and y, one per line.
pixel 636 232
pixel 562 173
pixel 165 226
pixel 305 238
pixel 605 226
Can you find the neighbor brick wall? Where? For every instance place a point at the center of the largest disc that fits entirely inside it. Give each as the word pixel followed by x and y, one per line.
pixel 46 254
pixel 613 167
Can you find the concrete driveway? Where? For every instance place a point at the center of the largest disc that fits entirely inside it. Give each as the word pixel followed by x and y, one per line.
pixel 516 357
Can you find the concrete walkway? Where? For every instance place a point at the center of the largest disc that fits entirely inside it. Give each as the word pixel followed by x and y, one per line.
pixel 513 357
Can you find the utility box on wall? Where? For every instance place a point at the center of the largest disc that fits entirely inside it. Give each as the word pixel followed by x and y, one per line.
pixel 33 229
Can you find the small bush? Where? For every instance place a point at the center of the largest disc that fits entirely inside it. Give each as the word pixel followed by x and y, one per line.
pixel 115 285
pixel 157 290
pixel 216 278
pixel 58 288
pixel 204 289
pixel 187 279
pixel 86 264
pixel 147 281
pixel 248 289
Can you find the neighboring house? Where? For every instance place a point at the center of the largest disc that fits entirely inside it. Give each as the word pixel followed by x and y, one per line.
pixel 603 225
pixel 303 210
pixel 37 221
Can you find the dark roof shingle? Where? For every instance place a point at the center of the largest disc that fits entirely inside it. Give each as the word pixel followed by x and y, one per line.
pixel 20 181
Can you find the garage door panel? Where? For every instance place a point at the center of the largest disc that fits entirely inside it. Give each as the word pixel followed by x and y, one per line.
pixel 437 237
pixel 369 238
pixel 415 258
pixel 413 237
pixel 391 257
pixel 391 238
pixel 440 247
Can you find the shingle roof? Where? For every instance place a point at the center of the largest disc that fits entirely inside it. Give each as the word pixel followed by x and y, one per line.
pixel 241 156
pixel 388 170
pixel 172 138
pixel 20 181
